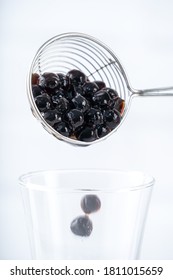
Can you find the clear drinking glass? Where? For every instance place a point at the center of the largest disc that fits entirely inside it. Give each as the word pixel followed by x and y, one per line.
pixel 52 200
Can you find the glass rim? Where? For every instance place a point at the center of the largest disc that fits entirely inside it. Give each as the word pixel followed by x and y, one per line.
pixel 148 182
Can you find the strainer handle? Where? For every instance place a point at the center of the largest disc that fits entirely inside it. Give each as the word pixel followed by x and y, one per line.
pixel 164 91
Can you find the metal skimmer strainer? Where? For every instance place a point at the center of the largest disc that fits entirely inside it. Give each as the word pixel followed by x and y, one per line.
pixel 80 51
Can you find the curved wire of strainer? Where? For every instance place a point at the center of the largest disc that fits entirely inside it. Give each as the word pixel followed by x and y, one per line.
pixel 87 54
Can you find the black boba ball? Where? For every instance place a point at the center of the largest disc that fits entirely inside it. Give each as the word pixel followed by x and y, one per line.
pixel 62 105
pixel 76 77
pixel 75 118
pixel 37 90
pixel 63 128
pixel 89 88
pixel 112 92
pixel 100 84
pixel 101 98
pixel 87 134
pixel 49 81
pixel 52 117
pixel 81 226
pixel 94 116
pixel 90 203
pixel 102 130
pixel 112 118
pixel 81 103
pixel 43 102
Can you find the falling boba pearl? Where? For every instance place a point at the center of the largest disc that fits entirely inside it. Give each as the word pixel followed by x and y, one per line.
pixel 81 226
pixel 90 203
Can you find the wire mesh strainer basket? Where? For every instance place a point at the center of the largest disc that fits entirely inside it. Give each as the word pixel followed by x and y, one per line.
pixel 87 54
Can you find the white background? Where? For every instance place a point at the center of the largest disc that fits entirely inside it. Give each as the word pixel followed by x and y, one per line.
pixel 141 34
